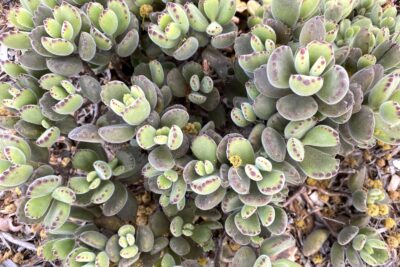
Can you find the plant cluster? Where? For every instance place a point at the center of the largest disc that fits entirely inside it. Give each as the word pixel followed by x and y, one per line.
pixel 217 113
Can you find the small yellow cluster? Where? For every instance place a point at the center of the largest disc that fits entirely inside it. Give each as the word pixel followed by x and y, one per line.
pixel 367 155
pixel 202 261
pixel 233 245
pixel 389 223
pixel 374 183
pixel 383 145
pixel 318 259
pixel 300 224
pixel 328 212
pixel 39 251
pixel 375 210
pixel 192 128
pixel 145 10
pixel 351 162
pixel 5 112
pixel 65 161
pixel 145 208
pixel 384 209
pixel 18 191
pixel 323 197
pixel 235 160
pixel 318 183
pixel 392 241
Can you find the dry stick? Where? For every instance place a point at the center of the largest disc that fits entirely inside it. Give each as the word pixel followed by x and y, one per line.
pixel 219 250
pixel 328 193
pixel 18 242
pixel 318 214
pixel 294 196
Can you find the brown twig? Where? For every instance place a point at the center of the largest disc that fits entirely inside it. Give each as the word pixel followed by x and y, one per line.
pixel 328 193
pixel 18 242
pixel 318 214
pixel 294 196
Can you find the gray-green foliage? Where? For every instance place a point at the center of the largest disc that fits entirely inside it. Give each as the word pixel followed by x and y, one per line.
pixel 215 115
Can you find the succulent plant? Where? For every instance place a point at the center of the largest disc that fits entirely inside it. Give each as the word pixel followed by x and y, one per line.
pixel 384 101
pixel 36 120
pixel 254 48
pixel 140 132
pixel 56 34
pixel 255 185
pixel 49 201
pixel 191 82
pixel 336 10
pixel 89 250
pixel 104 182
pixel 214 18
pixel 169 132
pixel 125 247
pixel 373 201
pixel 170 32
pixel 15 159
pixel 359 246
pixel 169 183
pixel 63 91
pixel 62 241
pixel 134 105
pixel 271 250
pixel 113 27
pixel 183 234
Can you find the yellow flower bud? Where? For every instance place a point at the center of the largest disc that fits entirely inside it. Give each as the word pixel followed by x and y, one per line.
pixel 392 242
pixel 311 181
pixel 373 210
pixel 236 161
pixel 145 10
pixel 384 209
pixel 389 223
pixel 318 259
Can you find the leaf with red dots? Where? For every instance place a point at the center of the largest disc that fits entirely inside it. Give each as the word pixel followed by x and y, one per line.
pixel 321 136
pixel 318 165
pixel 103 192
pixel 35 208
pixel 94 239
pixel 271 183
pixel 280 222
pixel 295 149
pixel 336 85
pixel 15 175
pixel 64 194
pixel 57 215
pixel 175 137
pixel 43 186
pixel 249 226
pixel 206 185
pixel 178 191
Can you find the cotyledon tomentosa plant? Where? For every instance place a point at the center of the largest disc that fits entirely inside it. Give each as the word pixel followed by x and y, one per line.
pixel 57 36
pixel 151 166
pixel 180 30
pixel 359 246
pixel 201 86
pixel 15 157
pixel 133 104
pixel 32 106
